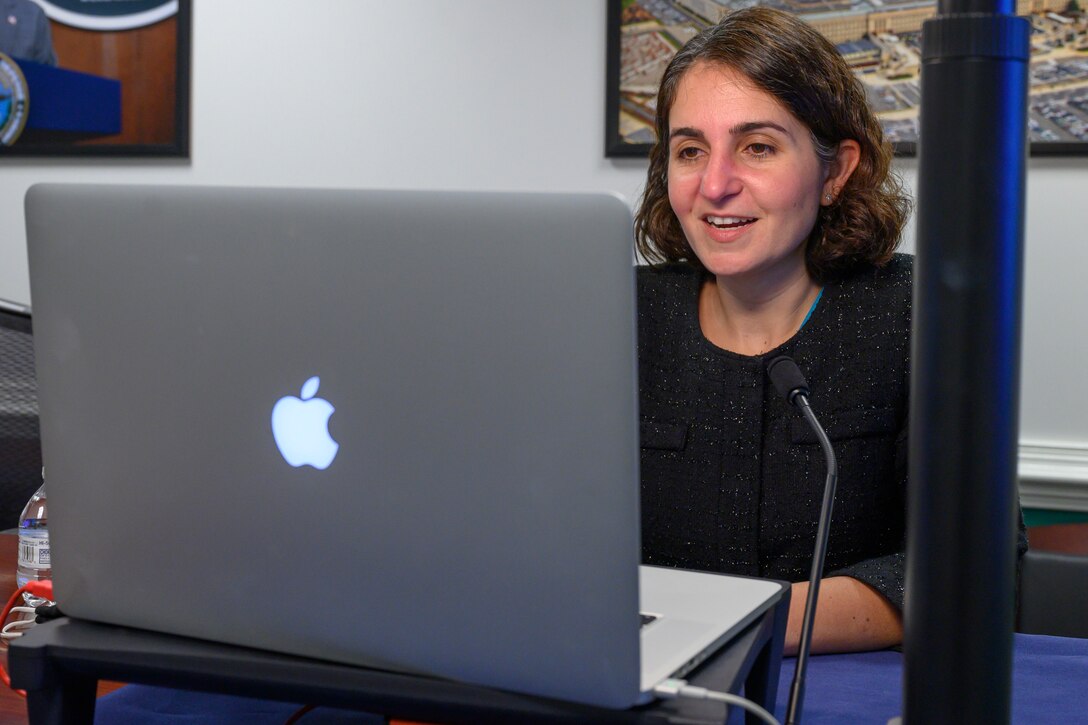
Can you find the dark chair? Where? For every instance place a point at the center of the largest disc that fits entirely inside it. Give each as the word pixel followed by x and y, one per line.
pixel 1053 594
pixel 20 447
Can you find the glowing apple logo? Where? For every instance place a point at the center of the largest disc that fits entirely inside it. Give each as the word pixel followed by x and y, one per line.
pixel 301 428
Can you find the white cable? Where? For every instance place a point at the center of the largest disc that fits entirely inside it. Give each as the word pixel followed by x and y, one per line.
pixel 672 688
pixel 21 624
pixel 8 632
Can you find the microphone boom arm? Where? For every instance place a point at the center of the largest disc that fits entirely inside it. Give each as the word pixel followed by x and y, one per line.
pixel 797 688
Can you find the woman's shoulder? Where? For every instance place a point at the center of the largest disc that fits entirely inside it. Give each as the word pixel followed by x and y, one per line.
pixel 876 298
pixel 667 294
pixel 655 281
pixel 900 269
pixel 669 272
pixel 893 280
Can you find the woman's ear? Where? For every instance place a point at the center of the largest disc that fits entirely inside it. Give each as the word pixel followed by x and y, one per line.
pixel 842 166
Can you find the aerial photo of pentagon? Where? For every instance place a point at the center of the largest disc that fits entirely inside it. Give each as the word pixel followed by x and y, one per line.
pixel 880 39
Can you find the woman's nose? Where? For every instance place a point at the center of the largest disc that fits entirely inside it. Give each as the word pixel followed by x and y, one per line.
pixel 720 179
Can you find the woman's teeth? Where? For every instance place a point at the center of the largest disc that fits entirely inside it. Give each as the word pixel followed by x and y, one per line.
pixel 729 222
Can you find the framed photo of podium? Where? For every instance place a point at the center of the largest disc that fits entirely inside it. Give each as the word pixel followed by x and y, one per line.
pixel 84 78
pixel 880 40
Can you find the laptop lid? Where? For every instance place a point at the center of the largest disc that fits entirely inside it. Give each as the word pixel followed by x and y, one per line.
pixel 479 519
pixel 395 429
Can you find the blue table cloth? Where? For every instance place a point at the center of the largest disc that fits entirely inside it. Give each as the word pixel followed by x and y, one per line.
pixel 1050 686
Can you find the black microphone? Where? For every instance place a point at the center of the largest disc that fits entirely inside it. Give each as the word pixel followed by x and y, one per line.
pixel 789 381
pixel 787 378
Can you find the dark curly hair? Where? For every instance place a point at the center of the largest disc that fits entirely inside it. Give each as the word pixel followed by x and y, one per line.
pixel 794 63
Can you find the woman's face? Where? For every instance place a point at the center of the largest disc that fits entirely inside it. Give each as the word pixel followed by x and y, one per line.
pixel 744 178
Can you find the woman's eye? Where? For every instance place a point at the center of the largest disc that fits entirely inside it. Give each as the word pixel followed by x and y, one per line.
pixel 760 150
pixel 687 153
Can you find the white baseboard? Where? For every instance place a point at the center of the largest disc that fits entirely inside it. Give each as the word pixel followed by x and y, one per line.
pixel 1053 475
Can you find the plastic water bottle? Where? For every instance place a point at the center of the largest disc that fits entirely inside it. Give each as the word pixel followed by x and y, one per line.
pixel 34 562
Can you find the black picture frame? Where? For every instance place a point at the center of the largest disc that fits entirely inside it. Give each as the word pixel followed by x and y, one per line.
pixel 172 143
pixel 618 145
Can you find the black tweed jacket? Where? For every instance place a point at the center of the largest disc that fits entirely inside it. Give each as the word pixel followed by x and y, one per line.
pixel 732 478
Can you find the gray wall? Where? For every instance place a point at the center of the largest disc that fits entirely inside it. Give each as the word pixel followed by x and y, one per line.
pixel 493 94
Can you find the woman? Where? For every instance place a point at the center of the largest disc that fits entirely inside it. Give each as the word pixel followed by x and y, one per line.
pixel 772 221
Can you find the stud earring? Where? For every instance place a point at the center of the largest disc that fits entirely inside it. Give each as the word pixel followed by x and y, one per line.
pixel 827 198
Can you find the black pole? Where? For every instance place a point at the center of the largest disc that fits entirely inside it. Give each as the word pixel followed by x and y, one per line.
pixel 965 365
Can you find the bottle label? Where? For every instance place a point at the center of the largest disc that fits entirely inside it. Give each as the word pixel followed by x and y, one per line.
pixel 34 552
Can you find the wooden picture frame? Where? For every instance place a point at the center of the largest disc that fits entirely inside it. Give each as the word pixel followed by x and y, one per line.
pixel 880 43
pixel 118 82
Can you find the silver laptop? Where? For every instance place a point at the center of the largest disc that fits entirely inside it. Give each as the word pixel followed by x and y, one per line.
pixel 395 429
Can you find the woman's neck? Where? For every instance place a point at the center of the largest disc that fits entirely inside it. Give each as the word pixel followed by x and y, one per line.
pixel 752 319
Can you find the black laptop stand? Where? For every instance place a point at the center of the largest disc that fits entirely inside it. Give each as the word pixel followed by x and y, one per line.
pixel 59 664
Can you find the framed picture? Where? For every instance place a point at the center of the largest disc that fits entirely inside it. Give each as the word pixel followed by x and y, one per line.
pixel 82 78
pixel 880 41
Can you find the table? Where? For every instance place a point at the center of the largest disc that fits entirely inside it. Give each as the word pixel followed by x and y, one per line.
pixel 1049 674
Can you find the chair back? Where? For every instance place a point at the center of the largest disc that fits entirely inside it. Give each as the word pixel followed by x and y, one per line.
pixel 1053 594
pixel 20 447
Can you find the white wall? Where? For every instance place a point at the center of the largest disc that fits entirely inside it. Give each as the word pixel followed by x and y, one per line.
pixel 369 93
pixel 493 94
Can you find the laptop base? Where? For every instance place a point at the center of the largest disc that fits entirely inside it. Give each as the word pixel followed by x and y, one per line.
pixel 43 662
